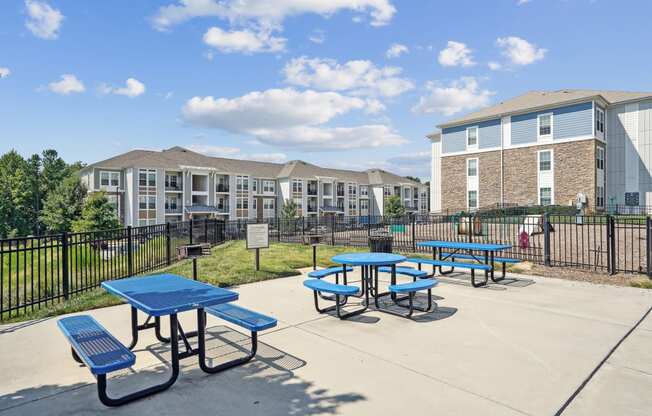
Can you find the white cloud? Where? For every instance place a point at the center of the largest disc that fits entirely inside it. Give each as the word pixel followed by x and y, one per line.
pixel 463 94
pixel 4 72
pixel 69 84
pixel 360 77
pixel 236 153
pixel 456 54
pixel 292 119
pixel 522 2
pixel 244 41
pixel 268 110
pixel 520 51
pixel 318 36
pixel 494 66
pixel 268 13
pixel 133 88
pixel 309 138
pixel 395 50
pixel 43 20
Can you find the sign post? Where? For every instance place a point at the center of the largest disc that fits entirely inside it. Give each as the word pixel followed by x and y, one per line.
pixel 257 238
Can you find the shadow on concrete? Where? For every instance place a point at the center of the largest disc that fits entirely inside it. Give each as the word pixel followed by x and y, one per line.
pixel 13 328
pixel 265 386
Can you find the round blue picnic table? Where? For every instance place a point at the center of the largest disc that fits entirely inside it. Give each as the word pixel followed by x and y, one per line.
pixel 368 259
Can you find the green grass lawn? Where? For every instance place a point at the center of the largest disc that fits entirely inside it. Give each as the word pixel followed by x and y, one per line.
pixel 230 264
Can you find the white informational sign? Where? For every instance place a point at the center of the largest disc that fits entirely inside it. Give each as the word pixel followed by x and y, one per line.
pixel 257 236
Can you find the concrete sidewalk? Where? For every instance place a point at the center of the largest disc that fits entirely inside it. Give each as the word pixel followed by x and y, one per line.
pixel 502 350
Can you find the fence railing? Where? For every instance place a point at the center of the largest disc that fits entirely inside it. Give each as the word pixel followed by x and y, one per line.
pixel 38 271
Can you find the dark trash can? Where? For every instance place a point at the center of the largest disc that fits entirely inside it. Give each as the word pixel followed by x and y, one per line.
pixel 381 242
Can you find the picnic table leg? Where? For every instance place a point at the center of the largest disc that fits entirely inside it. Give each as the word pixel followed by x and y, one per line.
pixel 174 362
pixel 134 328
pixel 496 279
pixel 201 338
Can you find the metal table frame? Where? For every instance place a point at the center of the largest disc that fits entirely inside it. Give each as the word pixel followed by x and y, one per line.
pixel 454 247
pixel 207 295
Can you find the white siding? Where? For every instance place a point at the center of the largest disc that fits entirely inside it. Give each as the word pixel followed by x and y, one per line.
pixel 435 177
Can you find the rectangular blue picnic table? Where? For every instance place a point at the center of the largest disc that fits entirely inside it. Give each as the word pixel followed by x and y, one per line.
pixel 453 247
pixel 161 295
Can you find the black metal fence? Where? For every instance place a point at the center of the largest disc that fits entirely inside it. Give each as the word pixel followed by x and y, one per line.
pixel 43 270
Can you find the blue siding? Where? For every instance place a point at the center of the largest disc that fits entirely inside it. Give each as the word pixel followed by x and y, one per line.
pixel 569 121
pixel 454 138
pixel 572 121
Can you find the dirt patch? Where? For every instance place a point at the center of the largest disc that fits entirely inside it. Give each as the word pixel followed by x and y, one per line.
pixel 567 273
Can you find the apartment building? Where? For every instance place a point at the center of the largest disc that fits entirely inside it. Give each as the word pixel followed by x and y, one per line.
pixel 546 147
pixel 155 187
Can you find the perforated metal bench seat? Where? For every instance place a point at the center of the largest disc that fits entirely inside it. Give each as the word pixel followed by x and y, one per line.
pixel 406 271
pixel 470 257
pixel 473 266
pixel 95 346
pixel 318 285
pixel 320 274
pixel 422 284
pixel 253 321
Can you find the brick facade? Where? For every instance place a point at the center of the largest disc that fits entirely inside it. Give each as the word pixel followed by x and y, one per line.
pixel 574 171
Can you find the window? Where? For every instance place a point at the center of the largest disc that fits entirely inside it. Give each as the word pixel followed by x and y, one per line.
pixel 151 202
pixel 544 122
pixel 242 183
pixel 114 202
pixel 142 202
pixel 364 191
pixel 472 199
pixel 353 190
pixel 268 208
pixel 545 161
pixel 254 185
pixel 599 197
pixel 110 179
pixel 268 187
pixel 545 196
pixel 364 205
pixel 147 177
pixel 599 120
pixel 387 190
pixel 472 167
pixel 599 159
pixel 472 138
pixel 171 181
pixel 297 186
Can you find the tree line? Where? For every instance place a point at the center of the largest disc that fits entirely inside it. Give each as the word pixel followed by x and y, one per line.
pixel 44 195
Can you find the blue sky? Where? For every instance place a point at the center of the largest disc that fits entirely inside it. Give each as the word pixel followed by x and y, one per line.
pixel 316 80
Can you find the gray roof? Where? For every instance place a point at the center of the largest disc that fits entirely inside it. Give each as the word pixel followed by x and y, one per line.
pixel 539 99
pixel 177 158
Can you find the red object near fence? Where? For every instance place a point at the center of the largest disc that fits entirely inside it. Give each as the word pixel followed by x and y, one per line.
pixel 523 239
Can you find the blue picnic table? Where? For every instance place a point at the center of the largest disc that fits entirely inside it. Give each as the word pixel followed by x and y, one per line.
pixel 468 251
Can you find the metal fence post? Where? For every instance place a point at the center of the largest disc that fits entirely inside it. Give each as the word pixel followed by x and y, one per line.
pixel 648 246
pixel 205 230
pixel 469 227
pixel 64 265
pixel 190 232
pixel 168 243
pixel 332 229
pixel 611 245
pixel 546 239
pixel 130 252
pixel 414 234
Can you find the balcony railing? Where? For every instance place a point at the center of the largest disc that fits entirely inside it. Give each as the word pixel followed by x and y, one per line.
pixel 340 191
pixel 222 187
pixel 312 190
pixel 173 209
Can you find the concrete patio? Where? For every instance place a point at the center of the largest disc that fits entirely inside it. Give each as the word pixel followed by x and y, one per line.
pixel 518 349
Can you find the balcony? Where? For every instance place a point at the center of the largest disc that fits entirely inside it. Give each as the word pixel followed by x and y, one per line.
pixel 312 208
pixel 312 190
pixel 340 191
pixel 173 208
pixel 222 188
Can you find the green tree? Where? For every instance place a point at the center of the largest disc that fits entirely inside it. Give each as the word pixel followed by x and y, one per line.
pixel 64 205
pixel 393 207
pixel 413 178
pixel 289 210
pixel 18 199
pixel 96 214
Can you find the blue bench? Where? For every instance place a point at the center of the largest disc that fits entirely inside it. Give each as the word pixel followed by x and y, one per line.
pixel 340 292
pixel 405 271
pixel 411 289
pixel 503 260
pixel 320 274
pixel 95 347
pixel 452 264
pixel 254 322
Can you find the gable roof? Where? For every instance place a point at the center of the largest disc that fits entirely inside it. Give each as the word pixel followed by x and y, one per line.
pixel 177 158
pixel 533 100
